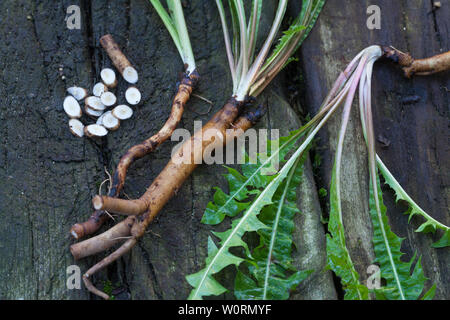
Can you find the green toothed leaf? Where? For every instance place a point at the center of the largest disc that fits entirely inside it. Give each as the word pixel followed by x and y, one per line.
pixel 248 289
pixel 430 293
pixel 296 34
pixel 272 276
pixel 430 224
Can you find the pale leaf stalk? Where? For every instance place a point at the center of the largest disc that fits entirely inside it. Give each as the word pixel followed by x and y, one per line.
pixel 180 24
pixel 246 82
pixel 253 27
pixel 365 99
pixel 275 182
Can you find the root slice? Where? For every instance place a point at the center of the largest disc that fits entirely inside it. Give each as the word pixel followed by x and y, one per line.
pixel 92 113
pixel 116 205
pixel 119 60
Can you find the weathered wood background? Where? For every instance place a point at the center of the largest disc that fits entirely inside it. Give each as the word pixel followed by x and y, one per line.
pixel 48 176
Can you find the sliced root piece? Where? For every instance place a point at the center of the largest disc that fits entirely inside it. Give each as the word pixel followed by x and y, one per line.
pixel 95 131
pixel 130 75
pixel 78 92
pixel 133 96
pixel 92 113
pixel 99 89
pixel 94 103
pixel 108 99
pixel 109 77
pixel 72 107
pixel 90 226
pixel 119 60
pixel 76 127
pixel 110 122
pixel 163 188
pixel 122 112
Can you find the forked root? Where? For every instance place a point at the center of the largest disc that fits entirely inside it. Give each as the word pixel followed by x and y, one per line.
pixel 187 85
pixel 420 67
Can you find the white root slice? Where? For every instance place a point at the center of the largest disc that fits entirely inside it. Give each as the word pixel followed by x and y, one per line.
pixel 130 75
pixel 99 89
pixel 95 130
pixel 76 127
pixel 108 99
pixel 72 107
pixel 91 112
pixel 78 92
pixel 122 112
pixel 109 77
pixel 133 96
pixel 94 103
pixel 110 122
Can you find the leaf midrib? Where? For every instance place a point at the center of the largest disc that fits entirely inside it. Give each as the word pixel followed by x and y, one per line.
pixel 275 228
